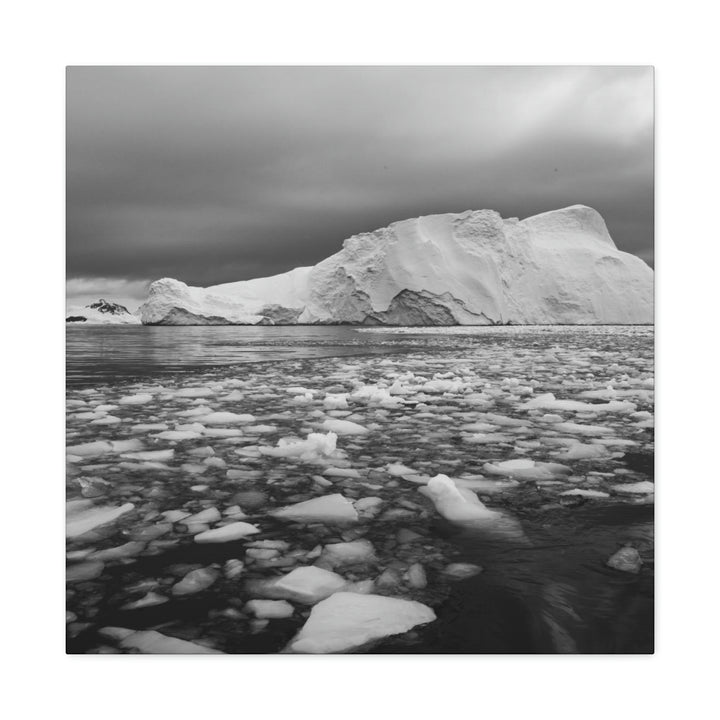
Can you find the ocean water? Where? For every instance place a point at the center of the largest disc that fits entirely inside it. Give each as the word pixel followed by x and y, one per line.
pixel 575 403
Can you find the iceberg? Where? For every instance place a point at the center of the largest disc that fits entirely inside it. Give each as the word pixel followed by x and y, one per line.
pixel 469 268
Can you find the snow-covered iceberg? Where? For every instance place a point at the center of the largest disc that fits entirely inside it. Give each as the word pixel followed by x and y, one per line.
pixel 470 268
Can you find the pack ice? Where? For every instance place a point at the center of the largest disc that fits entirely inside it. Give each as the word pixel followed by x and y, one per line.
pixel 470 268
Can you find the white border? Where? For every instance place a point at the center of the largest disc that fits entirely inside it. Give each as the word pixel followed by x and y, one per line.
pixel 41 38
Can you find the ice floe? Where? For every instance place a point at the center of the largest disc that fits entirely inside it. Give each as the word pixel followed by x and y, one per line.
pixel 346 621
pixel 83 516
pixel 326 508
pixel 227 533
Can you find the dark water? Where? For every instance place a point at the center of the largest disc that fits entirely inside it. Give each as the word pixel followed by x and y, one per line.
pixel 109 353
pixel 549 592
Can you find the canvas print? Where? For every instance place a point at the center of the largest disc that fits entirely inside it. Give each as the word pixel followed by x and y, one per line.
pixel 359 360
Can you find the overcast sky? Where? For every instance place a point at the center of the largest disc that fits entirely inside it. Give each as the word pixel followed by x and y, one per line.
pixel 211 175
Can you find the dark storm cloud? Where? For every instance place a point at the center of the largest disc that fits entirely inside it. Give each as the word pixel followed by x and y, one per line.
pixel 218 174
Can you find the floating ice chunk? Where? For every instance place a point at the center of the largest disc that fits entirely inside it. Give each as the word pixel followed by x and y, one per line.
pixel 348 553
pixel 586 493
pixel 91 449
pixel 204 517
pixel 195 412
pixel 227 533
pixel 511 465
pixel 226 418
pixel 269 609
pixel 461 571
pixel 152 642
pixel 642 487
pixel 315 448
pixel 341 472
pixel 526 469
pixel 178 435
pixel 415 576
pixel 345 621
pixel 148 427
pixel 84 571
pixel 335 402
pixel 222 432
pixel 153 455
pixel 457 505
pixel 548 402
pixel 583 451
pixel 106 420
pixel 149 600
pixel 307 585
pixel 260 429
pixel 478 427
pixel 83 516
pixel 368 506
pixel 175 515
pixel 399 470
pixel 626 559
pixel 344 427
pixel 128 549
pixel 578 429
pixel 327 508
pixel 374 395
pixel 234 395
pixel 140 399
pixel 485 485
pixel 194 392
pixel 444 386
pixel 88 415
pixel 196 581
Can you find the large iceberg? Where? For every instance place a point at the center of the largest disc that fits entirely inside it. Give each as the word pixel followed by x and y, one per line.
pixel 470 268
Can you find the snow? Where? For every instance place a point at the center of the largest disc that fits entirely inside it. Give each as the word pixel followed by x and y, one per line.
pixel 469 268
pixel 227 533
pixel 327 508
pixel 83 516
pixel 347 620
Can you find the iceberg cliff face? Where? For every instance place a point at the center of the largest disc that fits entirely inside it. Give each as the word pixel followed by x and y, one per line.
pixel 471 268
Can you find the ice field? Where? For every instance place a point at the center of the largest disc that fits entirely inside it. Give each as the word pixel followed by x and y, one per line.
pixel 419 490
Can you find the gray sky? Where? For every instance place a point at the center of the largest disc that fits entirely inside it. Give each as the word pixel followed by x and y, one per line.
pixel 211 175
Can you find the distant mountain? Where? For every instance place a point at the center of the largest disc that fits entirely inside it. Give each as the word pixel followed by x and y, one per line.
pixel 471 268
pixel 101 312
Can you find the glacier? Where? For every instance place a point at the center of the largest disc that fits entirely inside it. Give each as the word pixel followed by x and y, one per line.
pixel 469 268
